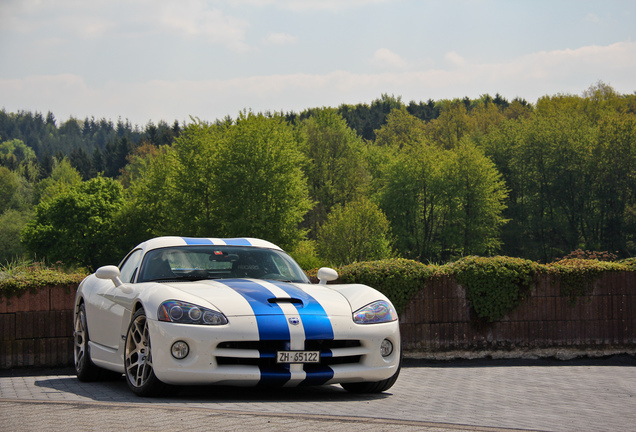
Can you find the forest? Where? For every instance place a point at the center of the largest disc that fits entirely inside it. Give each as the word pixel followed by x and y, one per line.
pixel 429 181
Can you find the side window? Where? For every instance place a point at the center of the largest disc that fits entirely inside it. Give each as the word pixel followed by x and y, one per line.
pixel 129 266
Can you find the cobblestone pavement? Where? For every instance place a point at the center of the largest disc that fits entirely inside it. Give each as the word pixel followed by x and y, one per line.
pixel 542 395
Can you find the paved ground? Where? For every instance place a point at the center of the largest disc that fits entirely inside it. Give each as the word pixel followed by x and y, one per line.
pixel 542 395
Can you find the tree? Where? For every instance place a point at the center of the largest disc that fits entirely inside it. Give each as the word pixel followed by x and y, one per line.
pixel 12 222
pixel 194 178
pixel 226 180
pixel 451 125
pixel 613 185
pixel 401 129
pixel 260 189
pixel 411 200
pixel 63 177
pixel 8 187
pixel 336 171
pixel 152 207
pixel 357 231
pixel 77 226
pixel 474 198
pixel 15 152
pixel 81 161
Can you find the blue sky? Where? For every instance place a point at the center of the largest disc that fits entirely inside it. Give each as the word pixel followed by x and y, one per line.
pixel 152 60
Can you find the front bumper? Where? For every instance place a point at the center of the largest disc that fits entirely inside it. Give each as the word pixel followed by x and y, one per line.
pixel 233 354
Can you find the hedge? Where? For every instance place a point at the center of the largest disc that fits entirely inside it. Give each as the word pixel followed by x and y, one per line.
pixel 494 285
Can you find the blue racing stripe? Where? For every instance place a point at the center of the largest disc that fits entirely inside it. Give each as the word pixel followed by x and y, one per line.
pixel 317 375
pixel 197 241
pixel 314 317
pixel 271 321
pixel 237 242
pixel 274 376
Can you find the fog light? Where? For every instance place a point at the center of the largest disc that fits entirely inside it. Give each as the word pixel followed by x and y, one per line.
pixel 386 348
pixel 180 350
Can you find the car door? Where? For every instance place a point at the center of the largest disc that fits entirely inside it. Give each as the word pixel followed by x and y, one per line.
pixel 106 308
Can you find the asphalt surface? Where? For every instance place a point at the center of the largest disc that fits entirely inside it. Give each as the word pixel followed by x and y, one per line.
pixel 478 395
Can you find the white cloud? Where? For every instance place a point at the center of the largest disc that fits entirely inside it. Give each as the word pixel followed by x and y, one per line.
pixel 311 5
pixel 188 19
pixel 280 39
pixel 454 59
pixel 387 59
pixel 530 77
pixel 193 18
pixel 592 18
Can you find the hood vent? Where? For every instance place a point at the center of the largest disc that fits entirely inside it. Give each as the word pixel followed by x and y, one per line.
pixel 292 300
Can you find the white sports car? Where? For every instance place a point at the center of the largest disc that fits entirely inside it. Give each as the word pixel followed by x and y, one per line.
pixel 236 311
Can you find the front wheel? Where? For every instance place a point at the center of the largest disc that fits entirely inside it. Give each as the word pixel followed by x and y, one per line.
pixel 140 375
pixel 372 387
pixel 85 369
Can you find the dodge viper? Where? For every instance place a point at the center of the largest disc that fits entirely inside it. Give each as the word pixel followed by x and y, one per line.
pixel 239 311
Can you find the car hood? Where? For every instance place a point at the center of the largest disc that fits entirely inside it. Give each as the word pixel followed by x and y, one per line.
pixel 236 297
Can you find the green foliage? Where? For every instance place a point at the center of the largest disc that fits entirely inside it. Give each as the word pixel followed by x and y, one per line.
pixel 398 279
pixel 12 222
pixel 474 199
pixel 304 253
pixel 77 226
pixel 259 187
pixel 63 177
pixel 17 277
pixel 494 286
pixel 577 276
pixel 8 186
pixel 336 171
pixel 444 203
pixel 359 231
pixel 15 152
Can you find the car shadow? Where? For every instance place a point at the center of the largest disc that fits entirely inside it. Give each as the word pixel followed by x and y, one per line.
pixel 116 390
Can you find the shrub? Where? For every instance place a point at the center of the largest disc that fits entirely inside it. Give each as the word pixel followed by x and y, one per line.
pixel 305 255
pixel 398 279
pixel 577 276
pixel 16 278
pixel 494 286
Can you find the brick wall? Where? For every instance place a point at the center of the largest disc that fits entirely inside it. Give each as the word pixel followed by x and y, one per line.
pixel 36 329
pixel 439 318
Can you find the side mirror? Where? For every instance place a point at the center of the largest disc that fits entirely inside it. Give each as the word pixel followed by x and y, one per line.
pixel 111 272
pixel 326 274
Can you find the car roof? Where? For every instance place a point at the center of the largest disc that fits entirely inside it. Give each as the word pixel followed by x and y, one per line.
pixel 168 241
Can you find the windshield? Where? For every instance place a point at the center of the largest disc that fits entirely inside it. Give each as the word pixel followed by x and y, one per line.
pixel 218 262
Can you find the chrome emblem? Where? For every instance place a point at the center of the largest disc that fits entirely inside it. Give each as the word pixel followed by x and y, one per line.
pixel 294 320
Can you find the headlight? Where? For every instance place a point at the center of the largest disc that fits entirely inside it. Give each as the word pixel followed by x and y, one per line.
pixel 377 312
pixel 188 313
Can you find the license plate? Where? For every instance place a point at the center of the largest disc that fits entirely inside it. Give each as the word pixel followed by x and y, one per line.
pixel 298 357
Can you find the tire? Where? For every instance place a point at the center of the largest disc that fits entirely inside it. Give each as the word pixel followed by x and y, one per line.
pixel 140 375
pixel 371 387
pixel 85 369
pixel 374 386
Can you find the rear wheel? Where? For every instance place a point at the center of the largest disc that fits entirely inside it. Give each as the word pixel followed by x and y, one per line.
pixel 85 369
pixel 138 358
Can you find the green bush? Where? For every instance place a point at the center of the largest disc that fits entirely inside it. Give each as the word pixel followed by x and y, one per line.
pixel 398 279
pixel 577 276
pixel 494 286
pixel 16 278
pixel 305 255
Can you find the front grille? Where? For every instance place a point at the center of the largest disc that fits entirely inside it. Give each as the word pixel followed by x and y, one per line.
pixel 263 353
